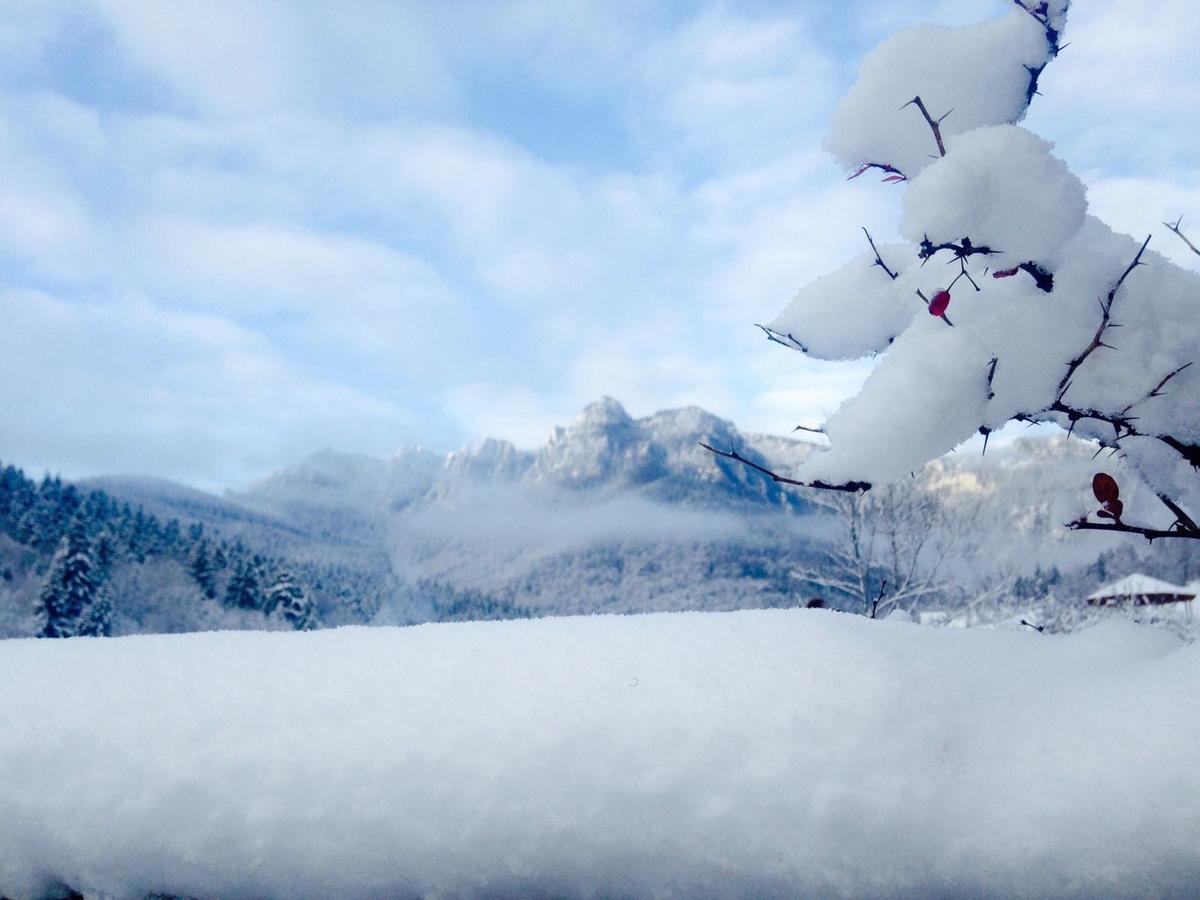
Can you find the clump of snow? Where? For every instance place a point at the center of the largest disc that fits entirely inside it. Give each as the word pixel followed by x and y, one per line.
pixel 771 753
pixel 978 74
pixel 1027 330
pixel 919 397
pixel 854 311
pixel 1001 187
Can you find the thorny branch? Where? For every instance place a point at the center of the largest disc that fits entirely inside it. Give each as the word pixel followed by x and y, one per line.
pixel 780 338
pixel 1042 277
pixel 1105 316
pixel 1157 390
pixel 878 259
pixel 1181 235
pixel 849 487
pixel 1150 534
pixel 961 250
pixel 891 173
pixel 935 125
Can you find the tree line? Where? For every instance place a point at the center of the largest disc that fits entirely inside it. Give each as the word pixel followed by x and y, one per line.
pixel 75 540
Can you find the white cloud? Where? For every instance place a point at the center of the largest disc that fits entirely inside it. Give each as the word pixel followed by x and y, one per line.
pixel 233 59
pixel 320 192
pixel 132 387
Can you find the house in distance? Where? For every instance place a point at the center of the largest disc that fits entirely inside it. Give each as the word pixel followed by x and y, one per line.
pixel 1141 590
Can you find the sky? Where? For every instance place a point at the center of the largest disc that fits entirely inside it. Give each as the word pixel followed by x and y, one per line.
pixel 233 233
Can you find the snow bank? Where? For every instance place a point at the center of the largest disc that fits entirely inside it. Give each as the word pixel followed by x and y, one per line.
pixel 780 753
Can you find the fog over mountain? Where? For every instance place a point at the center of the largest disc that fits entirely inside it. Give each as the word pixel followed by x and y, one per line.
pixel 611 514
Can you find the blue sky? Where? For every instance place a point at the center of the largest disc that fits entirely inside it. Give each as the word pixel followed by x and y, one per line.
pixel 232 233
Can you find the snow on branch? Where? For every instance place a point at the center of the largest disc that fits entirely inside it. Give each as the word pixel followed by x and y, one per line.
pixel 993 190
pixel 1105 321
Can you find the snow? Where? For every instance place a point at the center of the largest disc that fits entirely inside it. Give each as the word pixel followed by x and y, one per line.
pixel 853 311
pixel 1001 187
pixel 769 753
pixel 1136 585
pixel 1031 331
pixel 977 74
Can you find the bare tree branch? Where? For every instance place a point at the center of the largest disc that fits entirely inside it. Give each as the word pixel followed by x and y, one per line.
pixel 1181 235
pixel 852 487
pixel 1150 534
pixel 878 259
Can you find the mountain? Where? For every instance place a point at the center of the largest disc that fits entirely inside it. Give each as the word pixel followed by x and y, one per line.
pixel 622 514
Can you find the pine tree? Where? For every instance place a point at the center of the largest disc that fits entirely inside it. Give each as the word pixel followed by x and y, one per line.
pixel 66 598
pixel 289 599
pixel 244 590
pixel 202 569
pixel 97 618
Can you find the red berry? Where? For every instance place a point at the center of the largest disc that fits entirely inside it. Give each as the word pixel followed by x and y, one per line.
pixel 937 306
pixel 1105 488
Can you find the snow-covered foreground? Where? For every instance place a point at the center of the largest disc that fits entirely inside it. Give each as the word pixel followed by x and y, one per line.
pixel 751 753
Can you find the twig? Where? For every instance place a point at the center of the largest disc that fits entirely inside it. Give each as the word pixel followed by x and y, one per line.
pixel 879 597
pixel 1181 235
pixel 1150 534
pixel 809 429
pixel 1042 277
pixel 934 124
pixel 780 338
pixel 943 316
pixel 849 487
pixel 891 173
pixel 1105 314
pixel 878 259
pixel 1156 391
pixel 962 249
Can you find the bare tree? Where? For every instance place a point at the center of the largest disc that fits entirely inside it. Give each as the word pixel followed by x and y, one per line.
pixel 895 547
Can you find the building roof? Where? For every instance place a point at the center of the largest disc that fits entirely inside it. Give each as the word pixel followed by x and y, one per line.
pixel 1137 585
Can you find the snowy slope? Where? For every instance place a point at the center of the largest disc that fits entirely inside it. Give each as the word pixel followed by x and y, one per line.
pixel 797 753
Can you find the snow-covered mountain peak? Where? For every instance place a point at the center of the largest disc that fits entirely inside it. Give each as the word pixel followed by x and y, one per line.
pixel 490 458
pixel 603 414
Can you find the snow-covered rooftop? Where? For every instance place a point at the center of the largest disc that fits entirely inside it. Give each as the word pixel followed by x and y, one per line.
pixel 1136 585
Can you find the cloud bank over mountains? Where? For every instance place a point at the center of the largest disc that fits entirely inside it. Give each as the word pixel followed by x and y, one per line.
pixel 231 232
